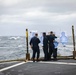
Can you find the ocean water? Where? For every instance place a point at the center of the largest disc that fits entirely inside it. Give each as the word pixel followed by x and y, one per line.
pixel 14 47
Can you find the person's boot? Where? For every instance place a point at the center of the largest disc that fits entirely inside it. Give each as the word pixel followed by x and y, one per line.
pixel 33 60
pixel 55 59
pixel 37 59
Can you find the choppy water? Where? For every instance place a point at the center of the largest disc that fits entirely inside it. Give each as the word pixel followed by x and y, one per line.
pixel 14 47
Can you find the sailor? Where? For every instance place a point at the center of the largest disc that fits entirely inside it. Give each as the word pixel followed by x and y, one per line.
pixel 45 46
pixel 34 43
pixel 55 48
pixel 51 38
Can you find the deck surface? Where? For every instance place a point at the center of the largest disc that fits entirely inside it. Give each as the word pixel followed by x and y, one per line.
pixel 60 67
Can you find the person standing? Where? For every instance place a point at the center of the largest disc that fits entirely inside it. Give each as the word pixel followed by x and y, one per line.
pixel 45 46
pixel 34 43
pixel 55 48
pixel 51 44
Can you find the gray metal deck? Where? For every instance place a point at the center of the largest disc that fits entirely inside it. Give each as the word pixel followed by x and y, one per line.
pixel 60 67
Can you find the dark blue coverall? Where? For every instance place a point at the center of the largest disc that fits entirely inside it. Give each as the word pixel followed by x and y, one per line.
pixel 45 47
pixel 51 45
pixel 35 47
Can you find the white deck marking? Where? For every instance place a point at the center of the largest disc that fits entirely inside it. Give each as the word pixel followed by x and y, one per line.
pixel 8 62
pixel 62 63
pixel 49 62
pixel 12 66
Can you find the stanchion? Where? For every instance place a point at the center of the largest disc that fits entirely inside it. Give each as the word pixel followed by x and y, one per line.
pixel 74 52
pixel 27 54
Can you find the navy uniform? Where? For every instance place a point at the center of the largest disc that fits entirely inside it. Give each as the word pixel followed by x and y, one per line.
pixel 55 50
pixel 45 46
pixel 51 44
pixel 35 47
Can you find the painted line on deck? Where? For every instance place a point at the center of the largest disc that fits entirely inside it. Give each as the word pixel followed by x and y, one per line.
pixel 9 62
pixel 12 66
pixel 62 63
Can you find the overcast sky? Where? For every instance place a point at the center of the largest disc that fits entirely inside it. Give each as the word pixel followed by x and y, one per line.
pixel 40 15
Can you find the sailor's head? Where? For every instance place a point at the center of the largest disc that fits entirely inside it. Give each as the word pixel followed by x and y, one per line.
pixel 44 33
pixel 36 34
pixel 51 33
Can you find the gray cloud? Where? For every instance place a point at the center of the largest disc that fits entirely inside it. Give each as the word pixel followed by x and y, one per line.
pixel 41 15
pixel 44 5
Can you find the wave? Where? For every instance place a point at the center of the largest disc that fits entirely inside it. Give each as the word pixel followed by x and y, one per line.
pixel 20 45
pixel 14 38
pixel 9 47
pixel 65 52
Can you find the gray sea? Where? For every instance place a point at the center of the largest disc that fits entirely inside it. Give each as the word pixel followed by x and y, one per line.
pixel 14 47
